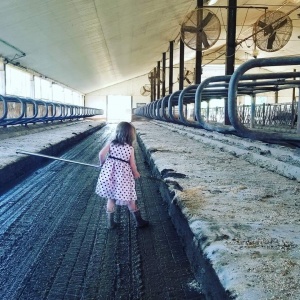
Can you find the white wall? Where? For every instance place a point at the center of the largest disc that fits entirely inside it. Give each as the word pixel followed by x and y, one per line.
pixel 98 99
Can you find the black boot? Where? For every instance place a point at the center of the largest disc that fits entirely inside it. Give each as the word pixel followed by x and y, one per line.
pixel 140 222
pixel 110 220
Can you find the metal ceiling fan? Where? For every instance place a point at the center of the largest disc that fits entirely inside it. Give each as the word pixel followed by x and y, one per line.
pixel 188 77
pixel 272 31
pixel 145 90
pixel 200 29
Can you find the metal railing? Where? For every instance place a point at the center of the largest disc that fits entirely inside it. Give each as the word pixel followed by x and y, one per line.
pixel 268 115
pixel 239 120
pixel 16 110
pixel 284 83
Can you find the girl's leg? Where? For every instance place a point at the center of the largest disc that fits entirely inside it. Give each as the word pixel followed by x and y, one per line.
pixel 110 206
pixel 132 206
pixel 140 222
pixel 110 210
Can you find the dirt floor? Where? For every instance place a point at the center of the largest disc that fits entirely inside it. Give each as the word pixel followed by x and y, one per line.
pixel 54 243
pixel 241 201
pixel 234 204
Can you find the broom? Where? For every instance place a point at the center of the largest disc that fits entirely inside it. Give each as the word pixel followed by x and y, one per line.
pixel 18 151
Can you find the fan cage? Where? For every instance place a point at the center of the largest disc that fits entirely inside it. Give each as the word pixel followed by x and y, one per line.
pixel 272 31
pixel 200 29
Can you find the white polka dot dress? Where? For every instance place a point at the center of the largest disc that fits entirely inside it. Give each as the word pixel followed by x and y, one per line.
pixel 116 179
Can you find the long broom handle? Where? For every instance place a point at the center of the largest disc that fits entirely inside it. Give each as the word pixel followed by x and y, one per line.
pixel 57 158
pixel 85 164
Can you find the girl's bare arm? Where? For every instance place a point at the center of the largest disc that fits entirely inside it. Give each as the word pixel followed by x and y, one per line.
pixel 132 163
pixel 103 154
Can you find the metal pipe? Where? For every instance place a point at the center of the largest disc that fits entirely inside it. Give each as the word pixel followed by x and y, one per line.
pixel 181 65
pixel 152 86
pixel 232 94
pixel 158 80
pixel 298 113
pixel 230 38
pixel 182 117
pixel 293 104
pixel 230 49
pixel 171 67
pixel 40 111
pixel 164 75
pixel 252 114
pixel 154 83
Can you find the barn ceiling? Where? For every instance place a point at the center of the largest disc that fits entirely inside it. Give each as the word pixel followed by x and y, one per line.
pixel 91 44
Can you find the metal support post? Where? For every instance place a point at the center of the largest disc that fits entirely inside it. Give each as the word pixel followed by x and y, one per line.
pixel 298 113
pixel 164 75
pixel 252 111
pixel 171 68
pixel 181 65
pixel 207 112
pixel 230 48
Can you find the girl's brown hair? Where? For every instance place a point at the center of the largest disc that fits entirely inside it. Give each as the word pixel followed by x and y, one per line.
pixel 125 134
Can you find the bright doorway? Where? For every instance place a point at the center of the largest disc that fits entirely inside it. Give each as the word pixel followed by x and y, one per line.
pixel 119 108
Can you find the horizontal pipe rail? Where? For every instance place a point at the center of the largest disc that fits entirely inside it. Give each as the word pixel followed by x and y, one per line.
pixel 232 95
pixel 16 110
pixel 230 87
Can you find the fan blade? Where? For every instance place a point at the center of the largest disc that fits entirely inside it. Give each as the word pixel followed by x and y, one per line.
pixel 204 40
pixel 282 23
pixel 271 40
pixel 206 20
pixel 268 29
pixel 189 29
pixel 261 24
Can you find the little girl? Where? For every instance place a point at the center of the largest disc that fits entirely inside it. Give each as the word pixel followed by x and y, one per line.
pixel 116 179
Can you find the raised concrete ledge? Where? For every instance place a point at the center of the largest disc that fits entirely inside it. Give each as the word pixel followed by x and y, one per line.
pixel 204 273
pixel 239 221
pixel 50 139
